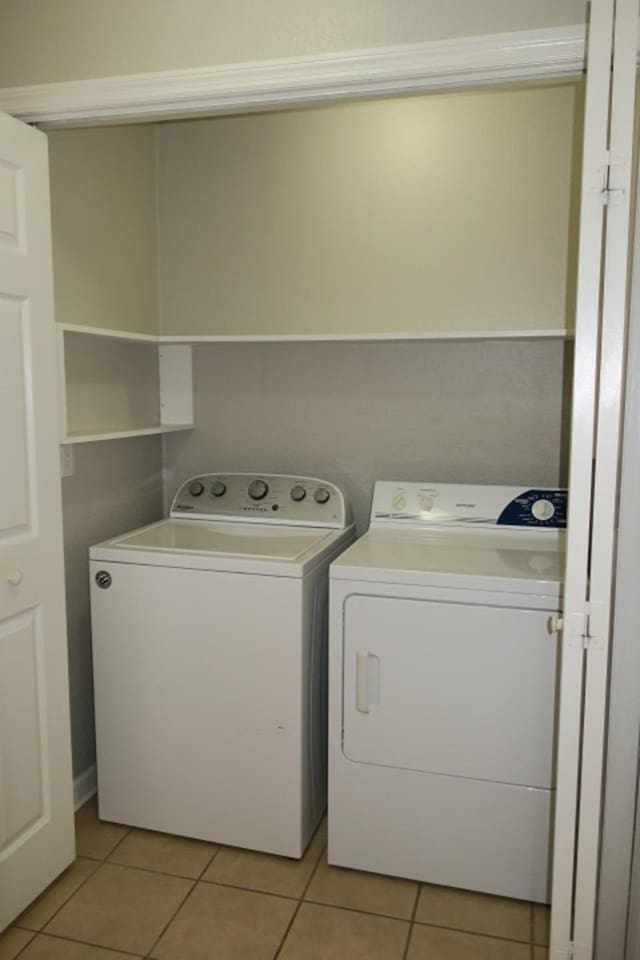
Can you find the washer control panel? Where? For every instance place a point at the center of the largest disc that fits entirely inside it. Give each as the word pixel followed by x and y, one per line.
pixel 264 498
pixel 452 504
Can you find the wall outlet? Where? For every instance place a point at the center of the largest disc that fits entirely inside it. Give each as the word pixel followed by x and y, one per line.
pixel 67 461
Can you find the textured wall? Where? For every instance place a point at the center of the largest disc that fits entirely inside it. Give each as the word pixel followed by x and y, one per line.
pixel 357 412
pixel 44 41
pixel 117 486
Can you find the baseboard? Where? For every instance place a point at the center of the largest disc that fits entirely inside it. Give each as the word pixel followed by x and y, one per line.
pixel 84 786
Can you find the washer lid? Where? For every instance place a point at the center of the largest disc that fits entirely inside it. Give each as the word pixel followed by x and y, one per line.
pixel 444 557
pixel 229 539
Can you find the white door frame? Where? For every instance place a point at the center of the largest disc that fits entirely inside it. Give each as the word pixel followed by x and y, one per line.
pixel 613 337
pixel 618 916
pixel 580 472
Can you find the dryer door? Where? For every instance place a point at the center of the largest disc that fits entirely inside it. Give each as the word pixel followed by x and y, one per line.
pixel 455 689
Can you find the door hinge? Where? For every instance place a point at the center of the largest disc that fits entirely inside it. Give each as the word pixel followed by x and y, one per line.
pixel 584 629
pixel 611 196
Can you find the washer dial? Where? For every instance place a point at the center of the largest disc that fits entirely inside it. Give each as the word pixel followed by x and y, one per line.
pixel 196 488
pixel 298 493
pixel 321 495
pixel 543 509
pixel 258 489
pixel 218 488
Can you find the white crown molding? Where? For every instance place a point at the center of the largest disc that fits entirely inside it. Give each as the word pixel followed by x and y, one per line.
pixel 243 87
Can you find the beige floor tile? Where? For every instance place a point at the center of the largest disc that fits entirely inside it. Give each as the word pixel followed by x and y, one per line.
pixel 435 943
pixel 161 851
pixel 541 922
pixel 12 941
pixel 371 892
pixel 52 948
pixel 475 913
pixel 96 838
pixel 226 924
pixel 326 933
pixel 120 907
pixel 540 953
pixel 260 871
pixel 42 909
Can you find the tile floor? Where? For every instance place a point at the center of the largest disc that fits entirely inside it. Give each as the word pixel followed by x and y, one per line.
pixel 133 893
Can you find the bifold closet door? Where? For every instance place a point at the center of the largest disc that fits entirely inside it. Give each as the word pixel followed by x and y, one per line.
pixel 36 800
pixel 595 439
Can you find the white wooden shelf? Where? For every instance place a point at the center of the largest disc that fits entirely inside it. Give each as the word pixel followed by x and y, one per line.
pixel 464 335
pixel 121 434
pixel 557 333
pixel 108 334
pixel 136 389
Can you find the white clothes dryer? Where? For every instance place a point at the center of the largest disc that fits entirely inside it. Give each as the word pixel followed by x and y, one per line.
pixel 442 687
pixel 209 659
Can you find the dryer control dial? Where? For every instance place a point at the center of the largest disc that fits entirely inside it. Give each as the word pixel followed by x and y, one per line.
pixel 196 488
pixel 321 495
pixel 543 509
pixel 298 493
pixel 258 489
pixel 218 488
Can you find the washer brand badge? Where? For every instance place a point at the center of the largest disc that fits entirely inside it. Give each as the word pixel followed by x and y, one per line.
pixel 467 506
pixel 184 506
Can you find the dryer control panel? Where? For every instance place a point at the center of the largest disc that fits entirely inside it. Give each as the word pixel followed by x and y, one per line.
pixel 468 505
pixel 262 498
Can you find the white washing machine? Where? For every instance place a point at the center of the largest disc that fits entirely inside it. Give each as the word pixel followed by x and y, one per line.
pixel 209 659
pixel 442 687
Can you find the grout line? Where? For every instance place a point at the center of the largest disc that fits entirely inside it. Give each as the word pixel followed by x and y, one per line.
pixel 87 943
pixel 158 873
pixel 149 952
pixel 29 941
pixel 65 902
pixel 412 922
pixel 207 865
pixel 114 848
pixel 472 933
pixel 236 886
pixel 300 901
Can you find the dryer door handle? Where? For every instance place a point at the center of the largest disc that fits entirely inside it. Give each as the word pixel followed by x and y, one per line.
pixel 362 681
pixel 367 681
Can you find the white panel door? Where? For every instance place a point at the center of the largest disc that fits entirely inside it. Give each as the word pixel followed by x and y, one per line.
pixel 453 689
pixel 36 805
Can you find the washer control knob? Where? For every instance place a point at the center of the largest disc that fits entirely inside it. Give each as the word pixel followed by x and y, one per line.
pixel 543 509
pixel 321 495
pixel 218 488
pixel 196 488
pixel 258 489
pixel 426 503
pixel 398 502
pixel 298 493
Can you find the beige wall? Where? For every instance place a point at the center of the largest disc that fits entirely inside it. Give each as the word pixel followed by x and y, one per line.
pixel 44 41
pixel 357 412
pixel 103 208
pixel 443 212
pixel 117 486
pixel 104 253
